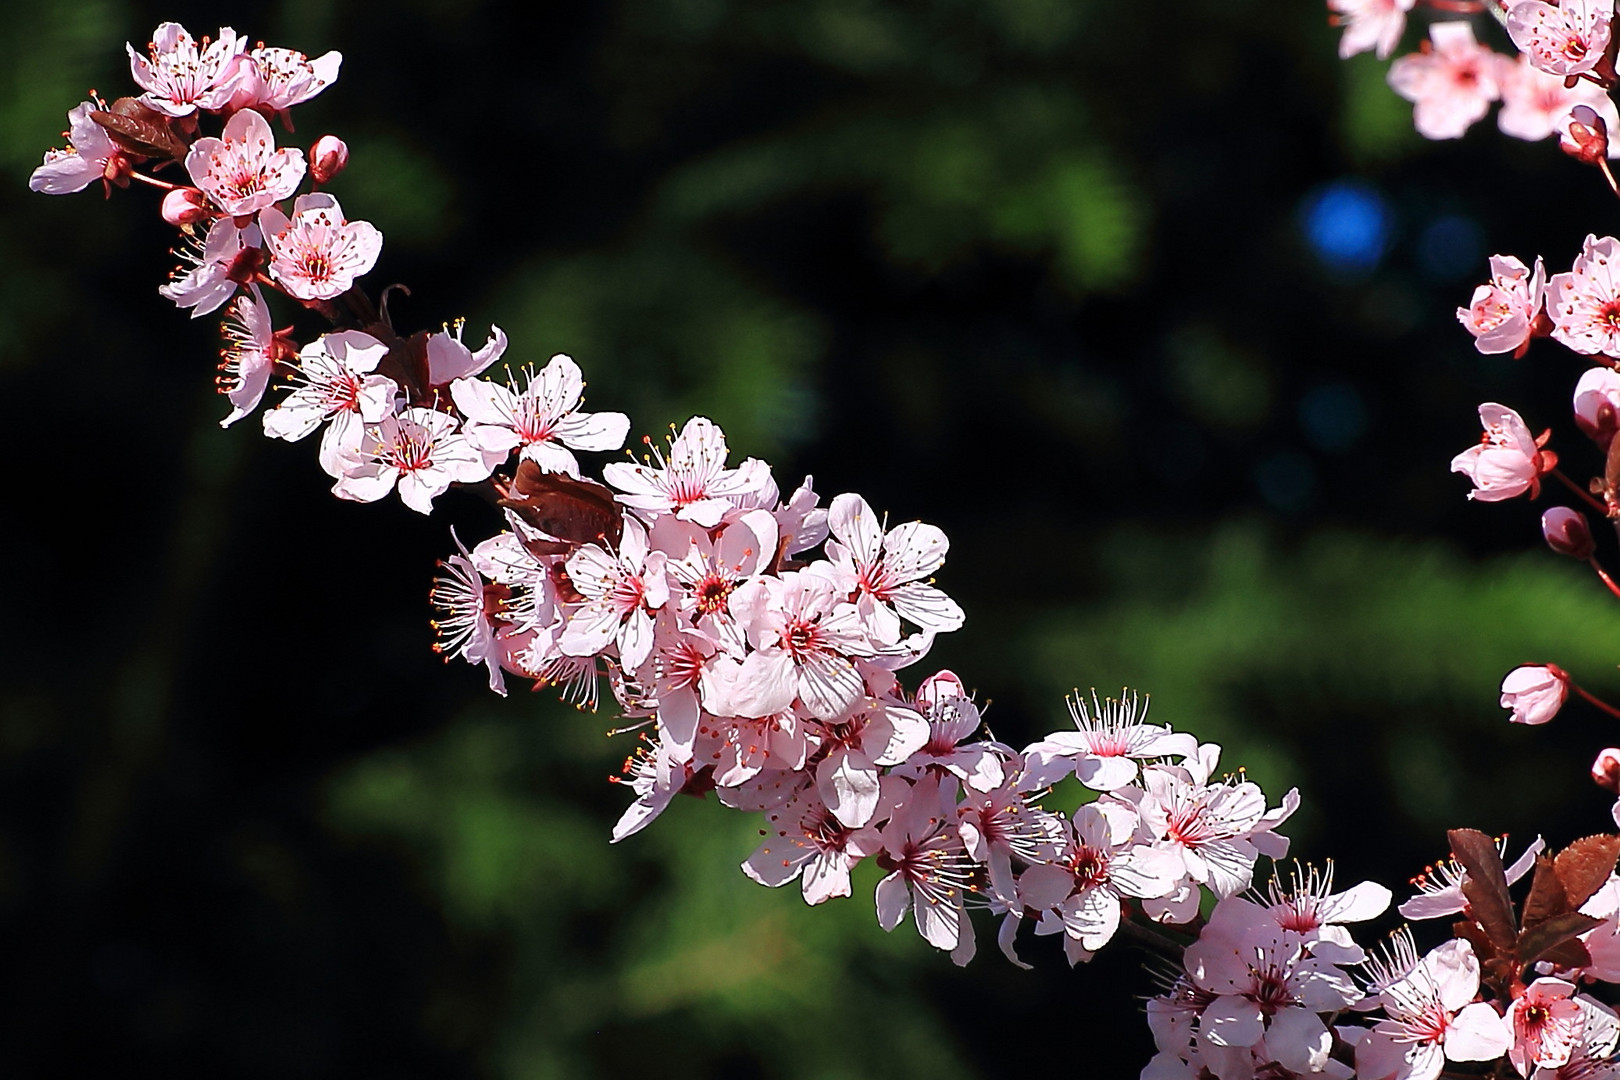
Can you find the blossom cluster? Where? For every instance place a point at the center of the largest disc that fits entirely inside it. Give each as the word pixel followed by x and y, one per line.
pixel 1565 64
pixel 754 638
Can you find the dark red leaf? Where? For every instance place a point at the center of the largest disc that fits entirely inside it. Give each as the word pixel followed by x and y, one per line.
pixel 572 511
pixel 1568 954
pixel 1547 897
pixel 1486 888
pixel 139 130
pixel 1585 865
pixel 1537 941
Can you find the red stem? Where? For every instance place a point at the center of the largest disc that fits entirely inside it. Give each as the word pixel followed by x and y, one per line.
pixel 163 185
pixel 1460 7
pixel 1585 495
pixel 1607 580
pixel 1604 705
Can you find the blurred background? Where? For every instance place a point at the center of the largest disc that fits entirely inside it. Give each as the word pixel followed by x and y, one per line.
pixel 1152 313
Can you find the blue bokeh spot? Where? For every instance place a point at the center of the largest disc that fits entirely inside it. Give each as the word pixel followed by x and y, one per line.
pixel 1347 224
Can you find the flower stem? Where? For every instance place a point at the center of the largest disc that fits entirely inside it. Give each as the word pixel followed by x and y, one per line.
pixel 1153 940
pixel 1604 705
pixel 1585 495
pixel 1604 576
pixel 162 185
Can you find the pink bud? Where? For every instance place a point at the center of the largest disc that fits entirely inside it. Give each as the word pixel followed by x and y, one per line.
pixel 1567 533
pixel 1535 692
pixel 1587 136
pixel 185 206
pixel 1606 770
pixel 328 157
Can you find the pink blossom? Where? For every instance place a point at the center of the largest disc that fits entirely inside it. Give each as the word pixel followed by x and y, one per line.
pixel 1597 405
pixel 1453 84
pixel 693 481
pixel 1508 460
pixel 806 840
pixel 1370 24
pixel 1536 105
pixel 334 380
pixel 1431 1017
pixel 1584 304
pixel 184 206
pixel 91 155
pixel 1309 907
pixel 930 873
pixel 1606 770
pixel 621 591
pixel 278 79
pixel 448 358
pixel 317 254
pixel 804 639
pixel 1002 825
pixel 466 626
pixel 419 450
pixel 886 570
pixel 1535 692
pixel 1502 313
pixel 243 172
pixel 656 778
pixel 709 564
pixel 1561 39
pixel 542 422
pixel 1105 750
pixel 208 271
pixel 1440 886
pixel 1546 1022
pixel 181 75
pixel 249 356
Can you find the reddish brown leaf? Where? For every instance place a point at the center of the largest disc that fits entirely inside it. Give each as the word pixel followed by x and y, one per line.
pixel 1486 888
pixel 139 130
pixel 1568 954
pixel 573 511
pixel 1536 942
pixel 1585 865
pixel 1547 897
pixel 1471 933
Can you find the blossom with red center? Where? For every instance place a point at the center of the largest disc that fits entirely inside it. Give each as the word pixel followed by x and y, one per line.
pixel 249 356
pixel 1508 460
pixel 855 747
pixel 316 254
pixel 808 843
pixel 1430 1015
pixel 334 383
pixel 419 451
pixel 243 172
pixel 1105 750
pixel 929 872
pixel 1535 692
pixel 542 422
pixel 708 565
pixel 209 270
pixel 1584 304
pixel 692 481
pixel 1370 24
pixel 277 79
pixel 886 570
pixel 621 590
pixel 1502 313
pixel 1536 105
pixel 1561 39
pixel 1452 84
pixel 91 155
pixel 467 606
pixel 1308 906
pixel 1546 1021
pixel 805 638
pixel 181 75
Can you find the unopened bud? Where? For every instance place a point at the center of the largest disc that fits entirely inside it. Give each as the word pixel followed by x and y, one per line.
pixel 1535 692
pixel 1586 137
pixel 1567 532
pixel 185 206
pixel 1606 770
pixel 328 157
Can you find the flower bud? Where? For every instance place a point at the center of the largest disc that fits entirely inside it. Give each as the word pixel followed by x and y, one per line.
pixel 1606 770
pixel 1586 136
pixel 1567 533
pixel 1535 692
pixel 328 157
pixel 185 206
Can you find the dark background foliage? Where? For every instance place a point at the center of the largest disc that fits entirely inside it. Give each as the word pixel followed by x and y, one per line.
pixel 1151 312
